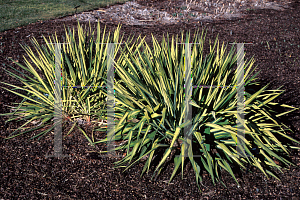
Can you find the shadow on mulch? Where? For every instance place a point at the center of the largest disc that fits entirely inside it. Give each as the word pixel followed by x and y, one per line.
pixel 27 174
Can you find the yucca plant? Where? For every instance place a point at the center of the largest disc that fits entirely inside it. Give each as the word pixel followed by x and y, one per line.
pixel 83 64
pixel 151 90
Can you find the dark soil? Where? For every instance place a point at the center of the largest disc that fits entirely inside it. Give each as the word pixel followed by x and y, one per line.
pixel 27 174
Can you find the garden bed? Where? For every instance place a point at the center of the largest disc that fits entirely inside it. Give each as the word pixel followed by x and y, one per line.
pixel 27 174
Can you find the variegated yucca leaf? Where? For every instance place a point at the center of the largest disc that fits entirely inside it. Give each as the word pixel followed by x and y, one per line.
pixel 151 89
pixel 83 64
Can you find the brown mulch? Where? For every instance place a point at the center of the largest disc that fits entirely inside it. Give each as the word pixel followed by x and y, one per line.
pixel 172 12
pixel 25 173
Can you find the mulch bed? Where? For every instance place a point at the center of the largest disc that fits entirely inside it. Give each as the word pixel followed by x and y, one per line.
pixel 27 174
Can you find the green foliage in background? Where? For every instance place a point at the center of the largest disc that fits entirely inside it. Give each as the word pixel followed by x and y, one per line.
pixel 18 13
